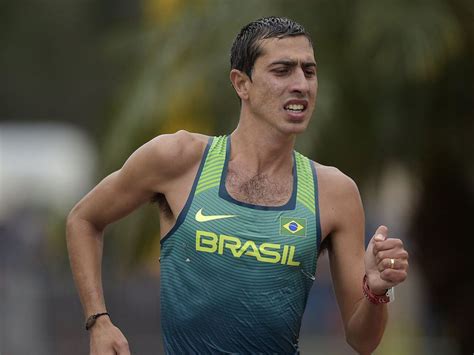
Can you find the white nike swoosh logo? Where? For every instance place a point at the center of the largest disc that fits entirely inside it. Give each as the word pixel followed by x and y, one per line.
pixel 201 218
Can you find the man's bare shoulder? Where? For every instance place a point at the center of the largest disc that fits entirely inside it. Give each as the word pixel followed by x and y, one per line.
pixel 339 200
pixel 164 158
pixel 175 152
pixel 334 183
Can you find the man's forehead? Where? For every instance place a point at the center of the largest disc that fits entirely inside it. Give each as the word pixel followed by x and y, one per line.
pixel 295 48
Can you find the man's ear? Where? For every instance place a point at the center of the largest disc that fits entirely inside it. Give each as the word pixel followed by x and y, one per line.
pixel 240 81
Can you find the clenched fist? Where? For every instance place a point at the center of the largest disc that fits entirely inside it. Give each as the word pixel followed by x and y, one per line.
pixel 386 262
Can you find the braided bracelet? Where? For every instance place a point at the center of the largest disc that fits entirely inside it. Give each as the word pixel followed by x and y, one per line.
pixel 372 297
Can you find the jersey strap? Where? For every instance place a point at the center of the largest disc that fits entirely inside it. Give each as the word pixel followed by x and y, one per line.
pixel 306 186
pixel 212 171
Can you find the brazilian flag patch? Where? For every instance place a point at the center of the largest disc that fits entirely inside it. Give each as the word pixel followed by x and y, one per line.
pixel 293 226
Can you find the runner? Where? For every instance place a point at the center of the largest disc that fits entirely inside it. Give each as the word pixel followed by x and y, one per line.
pixel 243 220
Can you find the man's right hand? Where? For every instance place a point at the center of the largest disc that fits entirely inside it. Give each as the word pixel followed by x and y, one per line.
pixel 107 339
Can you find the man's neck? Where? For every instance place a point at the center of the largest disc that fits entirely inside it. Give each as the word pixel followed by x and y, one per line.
pixel 265 149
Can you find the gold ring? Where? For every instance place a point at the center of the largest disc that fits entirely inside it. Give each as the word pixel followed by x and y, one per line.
pixel 392 263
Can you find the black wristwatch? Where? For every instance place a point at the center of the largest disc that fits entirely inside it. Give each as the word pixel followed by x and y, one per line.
pixel 91 320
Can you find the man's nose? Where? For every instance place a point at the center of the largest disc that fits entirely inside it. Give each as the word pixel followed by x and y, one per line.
pixel 300 82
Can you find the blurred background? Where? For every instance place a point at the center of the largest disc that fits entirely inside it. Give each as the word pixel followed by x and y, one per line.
pixel 85 83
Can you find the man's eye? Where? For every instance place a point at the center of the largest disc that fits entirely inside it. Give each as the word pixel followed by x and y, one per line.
pixel 310 73
pixel 281 71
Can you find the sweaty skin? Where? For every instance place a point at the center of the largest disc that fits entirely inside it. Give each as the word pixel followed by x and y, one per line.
pixel 262 145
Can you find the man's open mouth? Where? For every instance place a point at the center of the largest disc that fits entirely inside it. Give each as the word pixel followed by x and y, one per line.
pixel 295 108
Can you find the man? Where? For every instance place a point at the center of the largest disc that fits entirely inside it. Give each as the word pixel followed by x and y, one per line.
pixel 242 220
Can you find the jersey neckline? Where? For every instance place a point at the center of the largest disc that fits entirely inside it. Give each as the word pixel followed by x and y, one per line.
pixel 224 194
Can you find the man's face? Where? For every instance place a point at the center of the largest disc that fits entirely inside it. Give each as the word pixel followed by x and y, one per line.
pixel 284 84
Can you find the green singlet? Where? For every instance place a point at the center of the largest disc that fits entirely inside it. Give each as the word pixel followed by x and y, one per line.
pixel 235 277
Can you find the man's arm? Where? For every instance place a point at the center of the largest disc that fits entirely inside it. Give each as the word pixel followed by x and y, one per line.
pixel 364 322
pixel 149 170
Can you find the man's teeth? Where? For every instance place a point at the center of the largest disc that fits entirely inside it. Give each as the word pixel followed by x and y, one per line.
pixel 294 107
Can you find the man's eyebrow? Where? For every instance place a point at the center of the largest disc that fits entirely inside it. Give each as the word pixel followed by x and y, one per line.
pixel 292 63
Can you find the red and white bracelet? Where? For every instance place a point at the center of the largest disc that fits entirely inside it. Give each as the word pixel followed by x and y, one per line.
pixel 372 297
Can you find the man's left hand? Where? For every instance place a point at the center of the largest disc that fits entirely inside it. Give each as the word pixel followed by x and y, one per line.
pixel 386 262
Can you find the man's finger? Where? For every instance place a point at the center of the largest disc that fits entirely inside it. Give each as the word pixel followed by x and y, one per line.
pixel 123 351
pixel 389 254
pixel 393 276
pixel 388 244
pixel 381 234
pixel 398 264
pixel 122 347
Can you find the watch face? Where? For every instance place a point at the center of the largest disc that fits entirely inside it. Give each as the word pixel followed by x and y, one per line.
pixel 391 294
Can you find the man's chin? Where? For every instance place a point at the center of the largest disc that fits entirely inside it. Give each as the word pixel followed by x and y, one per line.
pixel 295 127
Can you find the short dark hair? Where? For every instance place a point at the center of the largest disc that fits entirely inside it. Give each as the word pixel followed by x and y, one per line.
pixel 246 47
